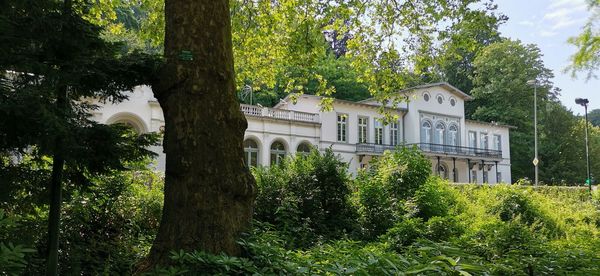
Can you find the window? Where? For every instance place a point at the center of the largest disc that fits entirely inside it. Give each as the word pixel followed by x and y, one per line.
pixel 452 102
pixel 426 97
pixel 474 176
pixel 499 177
pixel 363 132
pixel 453 135
pixel 443 171
pixel 304 149
pixel 426 132
pixel 497 142
pixel 251 153
pixel 378 132
pixel 440 132
pixel 483 139
pixel 472 139
pixel 342 127
pixel 440 99
pixel 485 176
pixel 394 133
pixel 277 153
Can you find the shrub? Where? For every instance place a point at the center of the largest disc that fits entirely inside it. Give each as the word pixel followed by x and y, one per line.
pixel 443 228
pixel 306 197
pixel 405 233
pixel 435 198
pixel 376 208
pixel 383 189
pixel 519 204
pixel 107 225
pixel 401 171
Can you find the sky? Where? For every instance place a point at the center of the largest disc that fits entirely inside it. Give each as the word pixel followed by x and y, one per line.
pixel 549 23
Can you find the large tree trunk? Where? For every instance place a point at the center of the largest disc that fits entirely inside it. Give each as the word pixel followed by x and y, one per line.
pixel 209 192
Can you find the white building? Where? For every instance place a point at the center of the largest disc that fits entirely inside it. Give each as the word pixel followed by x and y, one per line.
pixel 432 118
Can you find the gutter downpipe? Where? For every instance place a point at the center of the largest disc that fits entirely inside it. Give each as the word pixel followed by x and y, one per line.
pixel 404 126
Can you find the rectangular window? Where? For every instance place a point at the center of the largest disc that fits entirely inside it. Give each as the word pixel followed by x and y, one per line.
pixel 499 177
pixel 363 126
pixel 497 142
pixel 483 139
pixel 472 139
pixel 485 176
pixel 378 132
pixel 394 133
pixel 474 176
pixel 342 127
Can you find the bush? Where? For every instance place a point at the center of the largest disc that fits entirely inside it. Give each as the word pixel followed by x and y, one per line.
pixel 377 210
pixel 435 198
pixel 405 233
pixel 306 197
pixel 383 190
pixel 519 204
pixel 443 228
pixel 401 171
pixel 107 225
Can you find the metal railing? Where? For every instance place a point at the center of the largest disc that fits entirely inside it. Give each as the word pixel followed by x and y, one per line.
pixel 373 148
pixel 282 114
pixel 366 148
pixel 458 150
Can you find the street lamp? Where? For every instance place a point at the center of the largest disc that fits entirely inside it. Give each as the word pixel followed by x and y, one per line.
pixel 535 159
pixel 584 103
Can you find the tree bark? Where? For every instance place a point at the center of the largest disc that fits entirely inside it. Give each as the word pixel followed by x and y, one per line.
pixel 209 192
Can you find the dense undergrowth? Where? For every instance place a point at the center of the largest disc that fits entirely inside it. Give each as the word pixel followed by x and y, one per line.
pixel 311 217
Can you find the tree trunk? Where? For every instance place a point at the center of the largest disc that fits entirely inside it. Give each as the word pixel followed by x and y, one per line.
pixel 209 192
pixel 54 214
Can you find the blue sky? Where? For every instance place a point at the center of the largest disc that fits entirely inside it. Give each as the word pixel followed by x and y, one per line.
pixel 549 23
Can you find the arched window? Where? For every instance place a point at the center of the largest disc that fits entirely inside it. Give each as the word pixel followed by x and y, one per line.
pixel 440 132
pixel 130 120
pixel 426 132
pixel 277 153
pixel 443 171
pixel 453 135
pixel 304 149
pixel 251 153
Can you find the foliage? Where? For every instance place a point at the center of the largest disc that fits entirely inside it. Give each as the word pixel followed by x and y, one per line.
pixel 383 189
pixel 401 171
pixel 587 57
pixel 436 198
pixel 107 226
pixel 307 198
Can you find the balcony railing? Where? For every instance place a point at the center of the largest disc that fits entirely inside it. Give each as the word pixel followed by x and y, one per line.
pixel 458 150
pixel 282 114
pixel 369 148
pixel 366 148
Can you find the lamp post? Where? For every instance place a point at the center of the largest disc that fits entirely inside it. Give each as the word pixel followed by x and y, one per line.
pixel 584 103
pixel 535 159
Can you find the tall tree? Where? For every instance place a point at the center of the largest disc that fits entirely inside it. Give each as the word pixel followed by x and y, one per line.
pixel 587 57
pixel 52 60
pixel 208 190
pixel 501 94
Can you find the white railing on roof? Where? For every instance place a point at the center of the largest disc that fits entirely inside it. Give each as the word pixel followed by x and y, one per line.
pixel 276 113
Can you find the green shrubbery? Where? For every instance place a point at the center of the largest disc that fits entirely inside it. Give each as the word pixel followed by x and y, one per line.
pixel 313 218
pixel 384 191
pixel 107 225
pixel 307 198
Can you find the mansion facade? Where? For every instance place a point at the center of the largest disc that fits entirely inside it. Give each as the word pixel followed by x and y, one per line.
pixel 431 118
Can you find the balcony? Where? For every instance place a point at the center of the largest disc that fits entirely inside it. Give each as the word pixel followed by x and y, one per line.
pixel 450 150
pixel 458 151
pixel 281 114
pixel 372 149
